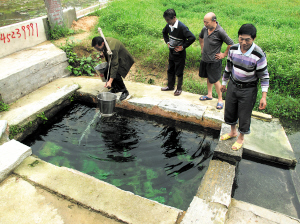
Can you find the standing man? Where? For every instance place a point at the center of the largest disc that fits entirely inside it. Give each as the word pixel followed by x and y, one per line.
pixel 211 39
pixel 121 63
pixel 178 37
pixel 246 64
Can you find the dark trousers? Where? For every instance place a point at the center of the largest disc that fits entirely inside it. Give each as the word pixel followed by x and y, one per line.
pixel 118 83
pixel 239 106
pixel 176 67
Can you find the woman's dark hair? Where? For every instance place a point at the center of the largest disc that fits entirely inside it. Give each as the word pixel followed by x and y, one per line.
pixel 248 29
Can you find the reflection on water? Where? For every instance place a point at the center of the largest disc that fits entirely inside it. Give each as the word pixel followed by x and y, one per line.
pixel 19 10
pixel 161 162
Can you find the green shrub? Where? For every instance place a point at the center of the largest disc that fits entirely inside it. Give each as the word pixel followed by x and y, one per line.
pixel 59 31
pixel 78 66
pixel 4 106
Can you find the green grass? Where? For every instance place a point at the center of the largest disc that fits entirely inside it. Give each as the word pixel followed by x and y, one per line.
pixel 138 24
pixel 3 106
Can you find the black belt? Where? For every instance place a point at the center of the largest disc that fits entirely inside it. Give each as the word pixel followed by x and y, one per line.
pixel 242 85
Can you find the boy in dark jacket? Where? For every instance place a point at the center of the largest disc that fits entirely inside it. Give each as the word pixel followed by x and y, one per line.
pixel 178 37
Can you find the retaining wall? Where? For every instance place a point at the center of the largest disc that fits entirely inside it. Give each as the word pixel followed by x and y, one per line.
pixel 29 33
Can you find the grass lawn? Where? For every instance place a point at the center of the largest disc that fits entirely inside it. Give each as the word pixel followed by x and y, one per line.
pixel 138 24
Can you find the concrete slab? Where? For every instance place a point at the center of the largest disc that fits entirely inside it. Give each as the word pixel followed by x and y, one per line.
pixel 22 202
pixel 268 141
pixel 183 108
pixel 213 117
pixel 261 116
pixel 201 211
pixel 96 194
pixel 22 115
pixel 12 154
pixel 3 125
pixel 223 150
pixel 147 102
pixel 87 11
pixel 242 213
pixel 216 185
pixel 3 132
pixel 27 70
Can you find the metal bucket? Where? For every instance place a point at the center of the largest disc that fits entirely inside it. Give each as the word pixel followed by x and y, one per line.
pixel 106 103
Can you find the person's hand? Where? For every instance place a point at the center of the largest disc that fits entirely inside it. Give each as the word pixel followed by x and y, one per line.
pixel 107 85
pixel 178 48
pixel 223 88
pixel 220 56
pixel 101 55
pixel 262 103
pixel 168 45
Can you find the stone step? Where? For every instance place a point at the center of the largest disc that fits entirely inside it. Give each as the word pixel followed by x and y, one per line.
pixel 27 70
pixel 223 150
pixel 3 132
pixel 267 141
pixel 12 154
pixel 213 196
pixel 45 106
pixel 242 212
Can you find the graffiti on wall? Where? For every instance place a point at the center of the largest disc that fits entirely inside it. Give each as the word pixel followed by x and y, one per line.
pixel 23 32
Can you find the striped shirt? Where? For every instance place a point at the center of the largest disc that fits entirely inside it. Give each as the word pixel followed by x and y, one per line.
pixel 248 67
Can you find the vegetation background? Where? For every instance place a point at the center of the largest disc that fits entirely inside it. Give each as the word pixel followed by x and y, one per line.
pixel 138 24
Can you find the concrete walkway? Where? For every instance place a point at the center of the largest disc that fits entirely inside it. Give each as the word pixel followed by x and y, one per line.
pixel 38 192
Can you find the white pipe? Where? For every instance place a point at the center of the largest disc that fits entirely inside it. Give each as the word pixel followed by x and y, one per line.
pixel 108 52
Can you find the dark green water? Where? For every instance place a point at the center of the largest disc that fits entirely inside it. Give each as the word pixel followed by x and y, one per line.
pixel 162 162
pixel 14 11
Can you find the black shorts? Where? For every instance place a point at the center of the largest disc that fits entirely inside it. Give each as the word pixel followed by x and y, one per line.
pixel 212 71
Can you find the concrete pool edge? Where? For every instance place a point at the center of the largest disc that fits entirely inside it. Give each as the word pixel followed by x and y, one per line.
pixel 96 194
pixel 89 91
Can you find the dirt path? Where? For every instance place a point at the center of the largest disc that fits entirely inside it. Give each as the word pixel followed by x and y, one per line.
pixel 138 73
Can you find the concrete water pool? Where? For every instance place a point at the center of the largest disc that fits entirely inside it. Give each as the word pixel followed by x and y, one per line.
pixel 158 159
pixel 221 197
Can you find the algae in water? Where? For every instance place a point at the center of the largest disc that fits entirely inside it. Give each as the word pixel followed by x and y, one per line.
pixel 151 174
pixel 60 161
pixel 50 149
pixel 90 167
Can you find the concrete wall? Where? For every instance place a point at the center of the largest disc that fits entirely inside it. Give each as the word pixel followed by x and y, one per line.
pixel 86 11
pixel 29 33
pixel 21 35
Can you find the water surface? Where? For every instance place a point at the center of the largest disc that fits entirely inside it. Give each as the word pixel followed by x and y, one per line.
pixel 19 10
pixel 162 162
